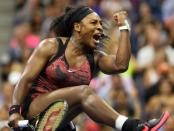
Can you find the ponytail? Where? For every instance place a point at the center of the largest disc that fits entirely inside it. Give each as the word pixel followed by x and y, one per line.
pixel 59 27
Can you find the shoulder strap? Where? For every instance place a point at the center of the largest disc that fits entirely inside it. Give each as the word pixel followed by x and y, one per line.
pixel 61 48
pixel 93 66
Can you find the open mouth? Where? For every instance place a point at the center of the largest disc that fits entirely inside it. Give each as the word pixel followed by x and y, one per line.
pixel 97 37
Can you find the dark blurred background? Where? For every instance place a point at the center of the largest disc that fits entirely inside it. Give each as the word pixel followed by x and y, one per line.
pixel 144 91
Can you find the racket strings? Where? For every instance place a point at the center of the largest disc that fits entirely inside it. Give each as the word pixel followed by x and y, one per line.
pixel 53 117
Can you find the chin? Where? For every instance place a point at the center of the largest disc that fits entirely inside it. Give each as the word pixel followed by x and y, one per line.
pixel 93 46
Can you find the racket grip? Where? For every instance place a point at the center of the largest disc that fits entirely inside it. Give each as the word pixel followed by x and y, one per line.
pixel 23 123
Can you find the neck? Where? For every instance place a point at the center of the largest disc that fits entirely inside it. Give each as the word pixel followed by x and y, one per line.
pixel 75 52
pixel 78 46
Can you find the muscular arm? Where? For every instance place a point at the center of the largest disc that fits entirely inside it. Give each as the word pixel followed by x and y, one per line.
pixel 33 67
pixel 119 62
pixel 111 64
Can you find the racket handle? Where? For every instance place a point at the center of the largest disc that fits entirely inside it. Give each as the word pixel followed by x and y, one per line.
pixel 23 123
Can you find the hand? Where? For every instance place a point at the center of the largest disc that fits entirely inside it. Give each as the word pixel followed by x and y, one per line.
pixel 120 17
pixel 13 120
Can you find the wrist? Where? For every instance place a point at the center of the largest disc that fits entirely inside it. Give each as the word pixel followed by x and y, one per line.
pixel 125 26
pixel 15 109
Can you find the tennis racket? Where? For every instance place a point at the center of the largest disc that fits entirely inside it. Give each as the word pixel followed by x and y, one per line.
pixel 48 120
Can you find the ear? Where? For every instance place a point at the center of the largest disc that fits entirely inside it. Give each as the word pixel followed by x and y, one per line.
pixel 77 27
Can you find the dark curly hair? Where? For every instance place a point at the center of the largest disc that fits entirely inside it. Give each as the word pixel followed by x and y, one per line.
pixel 63 25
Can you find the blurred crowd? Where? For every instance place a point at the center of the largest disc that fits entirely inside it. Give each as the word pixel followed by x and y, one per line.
pixel 144 91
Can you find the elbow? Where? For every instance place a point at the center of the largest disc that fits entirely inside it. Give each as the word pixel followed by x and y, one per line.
pixel 121 68
pixel 116 70
pixel 121 65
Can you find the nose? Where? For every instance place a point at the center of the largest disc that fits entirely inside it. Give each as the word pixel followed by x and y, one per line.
pixel 99 27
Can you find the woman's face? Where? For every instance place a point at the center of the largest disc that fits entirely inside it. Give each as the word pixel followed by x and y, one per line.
pixel 91 30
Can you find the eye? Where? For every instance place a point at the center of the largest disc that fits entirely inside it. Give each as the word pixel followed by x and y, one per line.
pixel 93 22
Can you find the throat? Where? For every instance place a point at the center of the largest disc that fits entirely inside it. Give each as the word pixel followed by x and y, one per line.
pixel 79 47
pixel 76 54
pixel 74 60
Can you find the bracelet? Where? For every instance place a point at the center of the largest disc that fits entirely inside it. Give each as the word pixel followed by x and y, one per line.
pixel 125 27
pixel 15 109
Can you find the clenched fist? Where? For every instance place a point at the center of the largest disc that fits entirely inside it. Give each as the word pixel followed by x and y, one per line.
pixel 120 17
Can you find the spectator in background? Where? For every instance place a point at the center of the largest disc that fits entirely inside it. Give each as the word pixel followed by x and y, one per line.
pixel 19 4
pixel 50 12
pixel 155 6
pixel 36 22
pixel 162 100
pixel 170 43
pixel 23 43
pixel 153 75
pixel 153 42
pixel 52 9
pixel 118 97
pixel 154 71
pixel 25 13
pixel 144 17
pixel 61 4
pixel 111 6
pixel 167 10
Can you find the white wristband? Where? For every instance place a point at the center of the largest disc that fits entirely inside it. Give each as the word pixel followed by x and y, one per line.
pixel 119 122
pixel 23 123
pixel 125 27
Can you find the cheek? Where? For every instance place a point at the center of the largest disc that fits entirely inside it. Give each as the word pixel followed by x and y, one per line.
pixel 87 31
pixel 87 35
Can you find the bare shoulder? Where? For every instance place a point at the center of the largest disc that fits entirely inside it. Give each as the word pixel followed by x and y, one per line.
pixel 47 46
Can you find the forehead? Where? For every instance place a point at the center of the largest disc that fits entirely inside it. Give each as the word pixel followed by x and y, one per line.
pixel 92 16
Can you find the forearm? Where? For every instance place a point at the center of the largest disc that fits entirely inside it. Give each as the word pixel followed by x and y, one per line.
pixel 124 50
pixel 20 92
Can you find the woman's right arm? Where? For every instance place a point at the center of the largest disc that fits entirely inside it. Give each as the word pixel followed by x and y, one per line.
pixel 35 64
pixel 33 67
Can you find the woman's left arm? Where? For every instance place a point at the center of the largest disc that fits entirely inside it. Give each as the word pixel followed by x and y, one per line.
pixel 111 64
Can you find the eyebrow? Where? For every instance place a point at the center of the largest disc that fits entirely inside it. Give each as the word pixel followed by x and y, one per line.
pixel 100 20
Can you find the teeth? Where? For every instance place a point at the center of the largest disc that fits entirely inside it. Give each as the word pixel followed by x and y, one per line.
pixel 97 41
